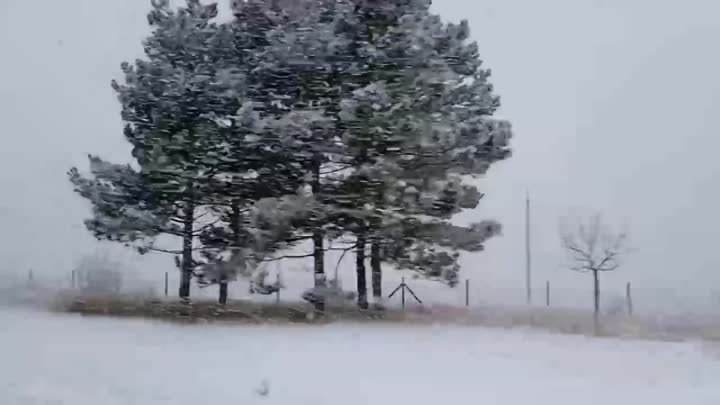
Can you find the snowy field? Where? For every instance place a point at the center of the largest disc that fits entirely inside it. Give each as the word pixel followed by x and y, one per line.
pixel 67 359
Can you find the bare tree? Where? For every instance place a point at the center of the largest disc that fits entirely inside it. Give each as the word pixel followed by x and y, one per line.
pixel 593 247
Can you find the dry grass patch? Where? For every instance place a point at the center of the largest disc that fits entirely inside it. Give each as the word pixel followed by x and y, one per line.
pixel 554 320
pixel 202 311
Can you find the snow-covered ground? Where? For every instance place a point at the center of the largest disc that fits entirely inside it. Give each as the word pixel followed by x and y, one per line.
pixel 67 359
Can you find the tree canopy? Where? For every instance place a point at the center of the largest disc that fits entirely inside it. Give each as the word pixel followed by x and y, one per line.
pixel 312 120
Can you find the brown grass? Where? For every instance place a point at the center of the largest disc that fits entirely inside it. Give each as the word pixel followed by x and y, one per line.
pixel 579 322
pixel 553 320
pixel 244 312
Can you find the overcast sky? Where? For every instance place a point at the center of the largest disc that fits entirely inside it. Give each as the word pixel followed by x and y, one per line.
pixel 614 104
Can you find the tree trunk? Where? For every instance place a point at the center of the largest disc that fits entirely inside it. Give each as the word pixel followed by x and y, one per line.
pixel 596 292
pixel 376 270
pixel 235 222
pixel 319 264
pixel 318 239
pixel 223 296
pixel 187 259
pixel 235 226
pixel 360 269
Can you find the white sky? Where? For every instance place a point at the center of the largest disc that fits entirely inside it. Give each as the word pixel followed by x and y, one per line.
pixel 614 105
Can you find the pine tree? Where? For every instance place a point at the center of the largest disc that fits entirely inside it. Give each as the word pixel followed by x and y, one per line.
pixel 170 104
pixel 260 203
pixel 305 68
pixel 278 141
pixel 355 120
pixel 460 141
pixel 258 161
pixel 421 126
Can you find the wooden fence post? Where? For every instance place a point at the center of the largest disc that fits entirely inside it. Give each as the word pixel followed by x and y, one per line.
pixel 166 283
pixel 628 297
pixel 277 297
pixel 547 293
pixel 467 292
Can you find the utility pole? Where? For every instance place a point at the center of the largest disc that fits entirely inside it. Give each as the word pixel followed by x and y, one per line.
pixel 528 280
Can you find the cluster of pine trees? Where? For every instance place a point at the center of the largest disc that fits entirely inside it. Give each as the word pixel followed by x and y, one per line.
pixel 353 125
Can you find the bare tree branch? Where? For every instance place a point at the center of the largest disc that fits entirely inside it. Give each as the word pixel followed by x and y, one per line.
pixel 171 251
pixel 273 259
pixel 200 230
pixel 306 255
pixel 592 246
